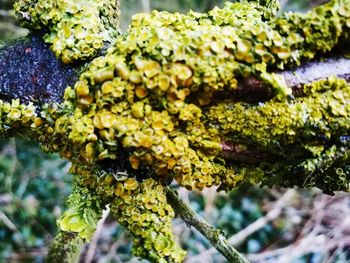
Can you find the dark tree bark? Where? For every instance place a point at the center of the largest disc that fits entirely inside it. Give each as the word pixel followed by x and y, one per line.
pixel 29 71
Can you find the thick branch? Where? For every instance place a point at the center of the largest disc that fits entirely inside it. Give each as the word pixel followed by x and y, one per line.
pixel 214 236
pixel 30 71
pixel 253 89
pixel 313 71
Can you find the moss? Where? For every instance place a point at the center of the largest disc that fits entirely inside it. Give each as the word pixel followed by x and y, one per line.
pixel 65 248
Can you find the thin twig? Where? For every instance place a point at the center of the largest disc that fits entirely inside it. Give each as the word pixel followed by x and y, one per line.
pixel 112 251
pixel 214 236
pixel 7 222
pixel 146 6
pixel 238 238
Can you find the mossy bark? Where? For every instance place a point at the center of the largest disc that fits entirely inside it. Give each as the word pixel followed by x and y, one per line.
pixel 65 248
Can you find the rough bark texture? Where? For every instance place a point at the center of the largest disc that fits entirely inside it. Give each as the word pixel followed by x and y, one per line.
pixel 65 248
pixel 29 71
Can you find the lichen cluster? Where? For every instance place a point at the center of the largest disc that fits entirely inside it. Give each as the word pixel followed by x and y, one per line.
pixel 76 30
pixel 139 206
pixel 16 118
pixel 149 109
pixel 151 93
pixel 85 205
pixel 282 124
pixel 304 136
pixel 143 209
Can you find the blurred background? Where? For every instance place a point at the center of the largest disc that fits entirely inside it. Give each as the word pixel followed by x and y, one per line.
pixel 267 225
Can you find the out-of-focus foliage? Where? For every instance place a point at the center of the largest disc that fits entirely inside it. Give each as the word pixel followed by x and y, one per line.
pixel 33 187
pixel 8 26
pixel 231 213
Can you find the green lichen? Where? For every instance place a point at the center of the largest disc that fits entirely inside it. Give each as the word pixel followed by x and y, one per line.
pixel 151 99
pixel 67 244
pixel 142 208
pixel 76 30
pixel 160 75
pixel 85 204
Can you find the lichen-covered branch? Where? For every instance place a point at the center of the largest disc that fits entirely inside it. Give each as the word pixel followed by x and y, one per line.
pixel 29 71
pixel 203 99
pixel 142 208
pixel 76 30
pixel 253 89
pixel 278 128
pixel 65 248
pixel 214 236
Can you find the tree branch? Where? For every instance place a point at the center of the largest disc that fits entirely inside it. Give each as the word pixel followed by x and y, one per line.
pixel 254 89
pixel 65 248
pixel 30 71
pixel 242 235
pixel 214 236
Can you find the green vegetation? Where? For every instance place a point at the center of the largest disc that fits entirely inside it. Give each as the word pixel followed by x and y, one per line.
pixel 33 189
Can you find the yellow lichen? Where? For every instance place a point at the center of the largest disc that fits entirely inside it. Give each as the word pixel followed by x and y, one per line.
pixel 144 211
pixel 77 30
